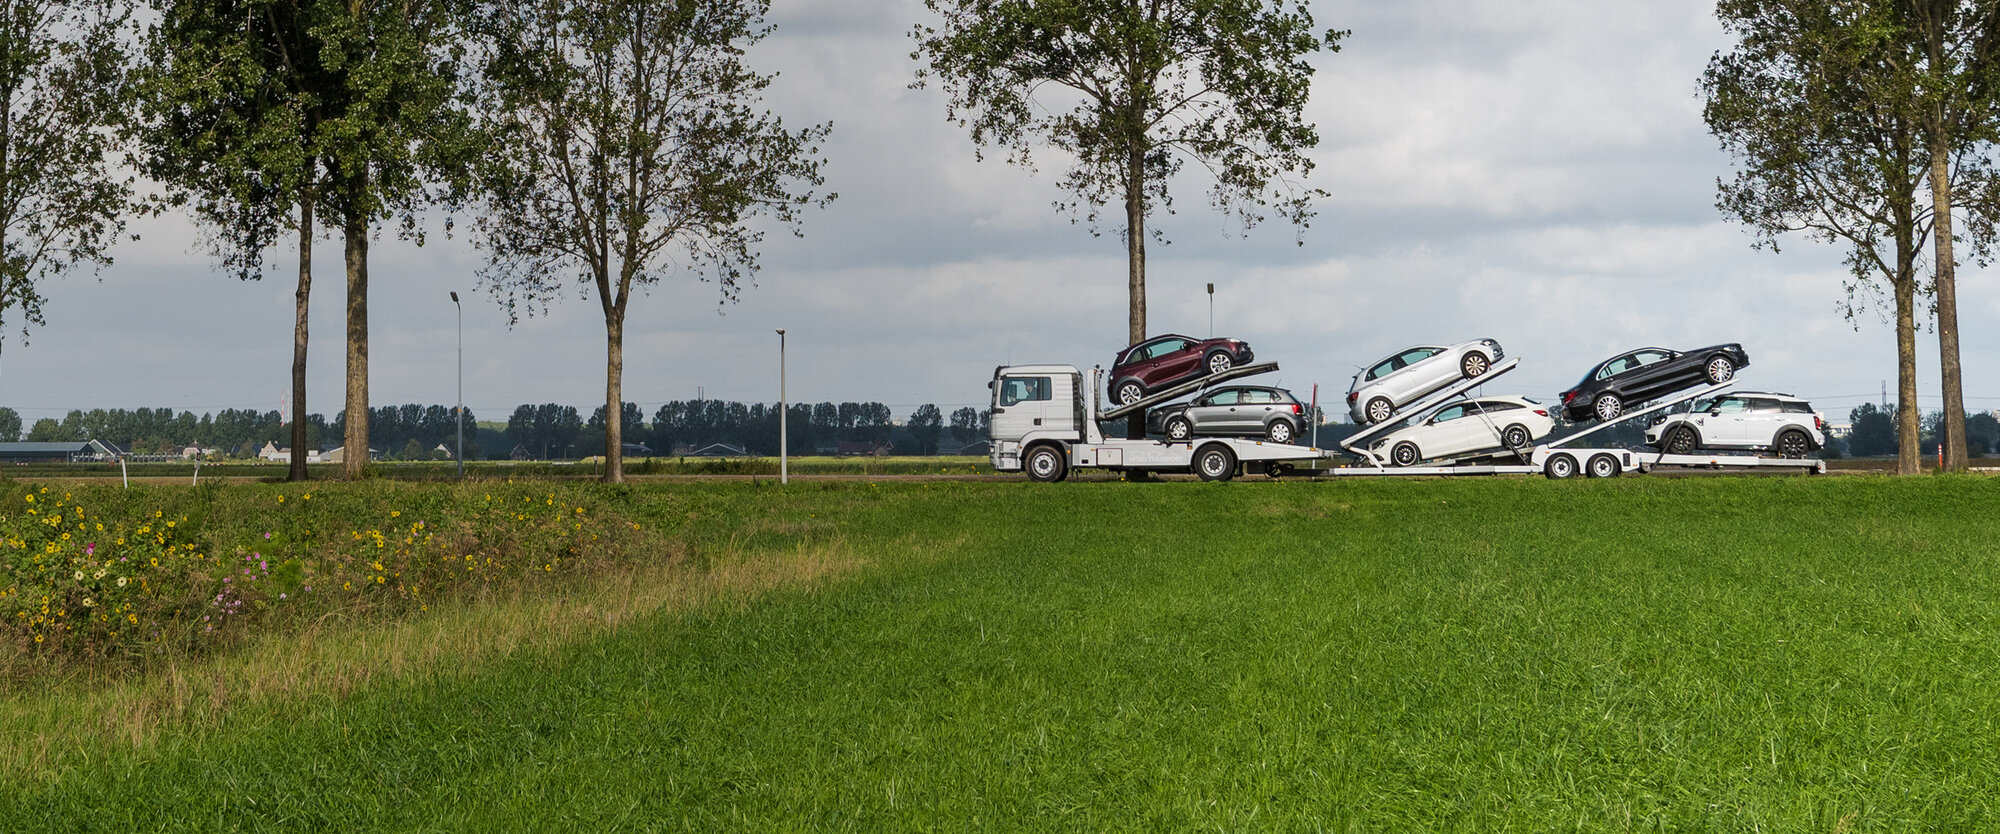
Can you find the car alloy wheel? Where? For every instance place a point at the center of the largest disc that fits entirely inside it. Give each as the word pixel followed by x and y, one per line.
pixel 1219 362
pixel 1280 432
pixel 1474 364
pixel 1515 437
pixel 1130 391
pixel 1608 407
pixel 1379 409
pixel 1405 454
pixel 1681 441
pixel 1179 429
pixel 1719 369
pixel 1793 444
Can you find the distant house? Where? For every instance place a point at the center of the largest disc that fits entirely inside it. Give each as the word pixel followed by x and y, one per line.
pixel 191 451
pixel 283 454
pixel 88 451
pixel 862 447
pixel 338 454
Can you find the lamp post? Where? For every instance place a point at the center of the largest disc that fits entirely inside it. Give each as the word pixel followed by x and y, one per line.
pixel 784 468
pixel 459 414
pixel 1211 309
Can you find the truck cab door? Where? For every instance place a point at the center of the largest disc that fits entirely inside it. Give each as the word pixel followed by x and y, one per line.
pixel 1033 404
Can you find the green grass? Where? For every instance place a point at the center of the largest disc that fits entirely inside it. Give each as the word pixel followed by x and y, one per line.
pixel 1731 654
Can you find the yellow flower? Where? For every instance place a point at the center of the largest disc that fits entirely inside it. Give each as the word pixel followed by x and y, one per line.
pixel 281 499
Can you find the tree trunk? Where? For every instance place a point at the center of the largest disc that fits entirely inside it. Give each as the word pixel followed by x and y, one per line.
pixel 355 456
pixel 298 468
pixel 614 396
pixel 1908 458
pixel 1952 431
pixel 1135 259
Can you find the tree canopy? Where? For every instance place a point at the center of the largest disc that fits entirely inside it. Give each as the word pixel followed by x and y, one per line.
pixel 1131 91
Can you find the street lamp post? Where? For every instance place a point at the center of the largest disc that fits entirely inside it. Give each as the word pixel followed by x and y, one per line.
pixel 1211 309
pixel 784 468
pixel 459 414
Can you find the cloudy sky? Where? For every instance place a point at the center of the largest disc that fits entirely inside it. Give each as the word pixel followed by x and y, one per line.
pixel 1534 171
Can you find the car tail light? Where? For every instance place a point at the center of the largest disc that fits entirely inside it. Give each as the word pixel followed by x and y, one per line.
pixel 1541 412
pixel 1352 396
pixel 1819 423
pixel 1298 409
pixel 1569 395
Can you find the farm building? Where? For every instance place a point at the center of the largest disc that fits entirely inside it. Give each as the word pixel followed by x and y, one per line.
pixel 87 451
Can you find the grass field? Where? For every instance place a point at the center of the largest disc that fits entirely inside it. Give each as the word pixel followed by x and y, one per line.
pixel 1779 654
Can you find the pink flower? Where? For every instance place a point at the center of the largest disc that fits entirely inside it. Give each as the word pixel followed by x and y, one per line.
pixel 89 549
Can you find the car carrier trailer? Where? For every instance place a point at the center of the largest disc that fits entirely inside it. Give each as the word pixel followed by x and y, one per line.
pixel 1047 421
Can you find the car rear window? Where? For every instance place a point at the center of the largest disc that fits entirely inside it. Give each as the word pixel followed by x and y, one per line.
pixel 1795 407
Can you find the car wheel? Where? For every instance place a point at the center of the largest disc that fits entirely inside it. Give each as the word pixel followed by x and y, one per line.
pixel 1516 436
pixel 1607 407
pixel 1560 468
pixel 1219 361
pixel 1046 464
pixel 1179 429
pixel 1380 409
pixel 1215 463
pixel 1130 391
pixel 1719 369
pixel 1281 431
pixel 1604 466
pixel 1474 364
pixel 1405 454
pixel 1681 441
pixel 1793 444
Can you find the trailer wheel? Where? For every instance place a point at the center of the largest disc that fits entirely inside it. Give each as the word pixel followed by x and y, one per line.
pixel 1719 369
pixel 1515 437
pixel 1474 364
pixel 1130 391
pixel 1179 429
pixel 1379 409
pixel 1218 361
pixel 1280 432
pixel 1405 454
pixel 1793 444
pixel 1215 463
pixel 1604 466
pixel 1682 441
pixel 1560 467
pixel 1607 407
pixel 1046 464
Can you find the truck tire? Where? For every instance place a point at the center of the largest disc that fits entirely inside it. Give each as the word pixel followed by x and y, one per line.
pixel 1215 462
pixel 1560 467
pixel 1046 464
pixel 1603 466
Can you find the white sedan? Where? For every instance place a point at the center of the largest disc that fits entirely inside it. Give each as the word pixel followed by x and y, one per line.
pixel 1474 425
pixel 1407 375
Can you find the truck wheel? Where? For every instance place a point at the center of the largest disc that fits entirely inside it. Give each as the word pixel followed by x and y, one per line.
pixel 1604 466
pixel 1046 464
pixel 1215 463
pixel 1560 467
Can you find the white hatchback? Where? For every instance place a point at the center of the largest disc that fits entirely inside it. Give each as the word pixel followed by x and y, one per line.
pixel 1781 423
pixel 1407 375
pixel 1475 425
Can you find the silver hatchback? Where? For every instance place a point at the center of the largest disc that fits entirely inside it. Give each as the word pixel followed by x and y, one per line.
pixel 1233 411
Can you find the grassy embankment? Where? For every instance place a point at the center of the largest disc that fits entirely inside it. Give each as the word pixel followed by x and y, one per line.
pixel 1717 653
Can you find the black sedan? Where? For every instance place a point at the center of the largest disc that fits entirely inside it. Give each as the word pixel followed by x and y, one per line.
pixel 1637 376
pixel 1232 411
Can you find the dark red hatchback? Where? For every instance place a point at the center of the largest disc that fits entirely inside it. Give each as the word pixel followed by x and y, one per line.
pixel 1164 360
